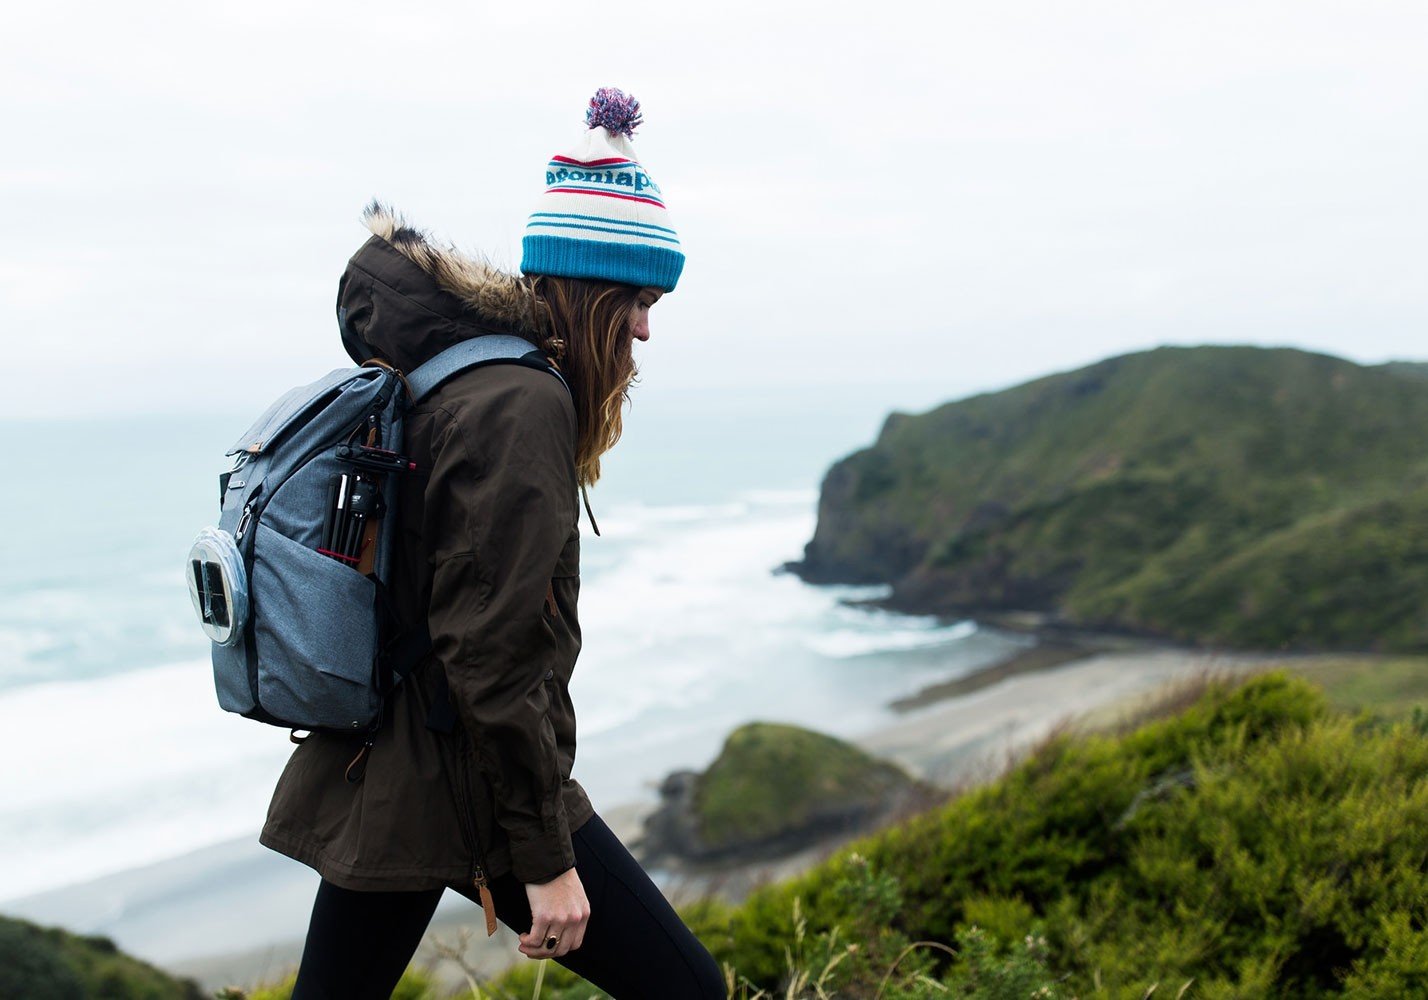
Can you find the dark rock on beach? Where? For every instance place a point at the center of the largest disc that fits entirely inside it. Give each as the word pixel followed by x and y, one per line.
pixel 774 790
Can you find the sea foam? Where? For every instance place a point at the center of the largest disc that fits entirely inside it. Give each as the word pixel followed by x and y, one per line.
pixel 121 771
pixel 688 631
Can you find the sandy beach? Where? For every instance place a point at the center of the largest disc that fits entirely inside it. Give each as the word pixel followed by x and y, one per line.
pixel 973 737
pixel 235 914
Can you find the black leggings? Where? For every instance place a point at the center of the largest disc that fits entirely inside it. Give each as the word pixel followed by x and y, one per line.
pixel 635 945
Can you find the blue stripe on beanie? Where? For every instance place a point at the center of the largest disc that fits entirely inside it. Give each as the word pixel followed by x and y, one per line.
pixel 596 218
pixel 641 264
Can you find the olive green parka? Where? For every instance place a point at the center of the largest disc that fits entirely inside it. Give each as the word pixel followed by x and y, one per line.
pixel 488 549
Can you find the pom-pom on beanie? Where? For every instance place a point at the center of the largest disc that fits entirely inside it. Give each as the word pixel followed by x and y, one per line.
pixel 602 215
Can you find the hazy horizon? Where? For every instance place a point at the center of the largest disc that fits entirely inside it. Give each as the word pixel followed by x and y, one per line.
pixel 963 196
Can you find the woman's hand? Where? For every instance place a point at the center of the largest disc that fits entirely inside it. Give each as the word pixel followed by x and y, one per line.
pixel 558 907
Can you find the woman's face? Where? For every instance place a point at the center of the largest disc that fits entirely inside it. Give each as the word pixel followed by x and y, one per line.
pixel 640 317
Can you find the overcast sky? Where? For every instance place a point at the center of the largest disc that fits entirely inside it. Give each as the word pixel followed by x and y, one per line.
pixel 967 194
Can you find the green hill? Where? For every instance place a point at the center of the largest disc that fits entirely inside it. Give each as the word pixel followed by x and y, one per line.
pixel 774 789
pixel 1412 369
pixel 1255 497
pixel 1255 843
pixel 44 963
pixel 772 779
pixel 1258 844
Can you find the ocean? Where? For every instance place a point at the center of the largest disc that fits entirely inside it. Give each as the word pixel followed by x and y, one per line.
pixel 118 755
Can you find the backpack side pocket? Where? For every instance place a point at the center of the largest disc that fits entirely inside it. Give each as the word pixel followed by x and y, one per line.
pixel 315 636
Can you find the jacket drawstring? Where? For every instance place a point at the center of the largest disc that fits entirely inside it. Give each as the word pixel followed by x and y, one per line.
pixel 588 512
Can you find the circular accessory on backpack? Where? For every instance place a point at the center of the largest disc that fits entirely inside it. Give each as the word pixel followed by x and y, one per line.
pixel 218 585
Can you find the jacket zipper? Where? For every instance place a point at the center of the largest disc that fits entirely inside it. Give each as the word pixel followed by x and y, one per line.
pixel 463 804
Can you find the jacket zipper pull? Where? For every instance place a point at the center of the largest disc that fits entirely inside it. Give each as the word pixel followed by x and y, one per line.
pixel 357 770
pixel 550 604
pixel 488 905
pixel 478 875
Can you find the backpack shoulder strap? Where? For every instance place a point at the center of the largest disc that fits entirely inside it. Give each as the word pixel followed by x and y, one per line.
pixel 488 349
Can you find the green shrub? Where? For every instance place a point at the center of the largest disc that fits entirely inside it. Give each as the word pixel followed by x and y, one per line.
pixel 415 984
pixel 988 971
pixel 555 980
pixel 1256 843
pixel 31 966
pixel 40 962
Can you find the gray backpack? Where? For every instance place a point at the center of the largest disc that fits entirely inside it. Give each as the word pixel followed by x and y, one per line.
pixel 291 584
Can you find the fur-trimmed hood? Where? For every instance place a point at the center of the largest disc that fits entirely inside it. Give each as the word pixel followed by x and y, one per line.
pixel 404 299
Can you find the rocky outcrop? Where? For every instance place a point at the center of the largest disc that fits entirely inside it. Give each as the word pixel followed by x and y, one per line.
pixel 773 791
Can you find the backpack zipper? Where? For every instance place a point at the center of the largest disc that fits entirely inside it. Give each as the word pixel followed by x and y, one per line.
pixel 243 521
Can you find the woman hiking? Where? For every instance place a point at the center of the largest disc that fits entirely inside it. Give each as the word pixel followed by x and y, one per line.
pixel 467 784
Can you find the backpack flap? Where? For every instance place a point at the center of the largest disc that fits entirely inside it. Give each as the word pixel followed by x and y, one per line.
pixel 295 405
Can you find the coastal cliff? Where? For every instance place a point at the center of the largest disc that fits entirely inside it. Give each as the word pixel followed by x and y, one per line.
pixel 1262 498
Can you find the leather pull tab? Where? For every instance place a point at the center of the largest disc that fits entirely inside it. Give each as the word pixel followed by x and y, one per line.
pixel 357 770
pixel 489 905
pixel 550 605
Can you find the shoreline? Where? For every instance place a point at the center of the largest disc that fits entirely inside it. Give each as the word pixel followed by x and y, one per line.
pixel 1034 659
pixel 1053 645
pixel 953 734
pixel 961 741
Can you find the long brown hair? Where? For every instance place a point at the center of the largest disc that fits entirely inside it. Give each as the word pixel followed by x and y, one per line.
pixel 587 331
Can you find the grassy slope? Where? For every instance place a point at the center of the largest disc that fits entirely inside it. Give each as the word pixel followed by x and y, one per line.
pixel 40 963
pixel 1389 687
pixel 1411 369
pixel 1259 844
pixel 1136 492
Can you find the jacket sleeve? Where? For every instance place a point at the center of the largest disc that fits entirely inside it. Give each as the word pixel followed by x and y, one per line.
pixel 500 505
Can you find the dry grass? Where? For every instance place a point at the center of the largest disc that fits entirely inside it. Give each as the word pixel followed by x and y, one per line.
pixel 1170 699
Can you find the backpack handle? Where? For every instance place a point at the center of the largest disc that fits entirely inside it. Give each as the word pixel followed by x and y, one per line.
pixel 390 369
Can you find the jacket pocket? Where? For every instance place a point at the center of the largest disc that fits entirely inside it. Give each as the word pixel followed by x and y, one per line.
pixel 569 562
pixel 558 588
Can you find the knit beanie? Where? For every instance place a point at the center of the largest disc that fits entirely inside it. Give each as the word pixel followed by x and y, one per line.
pixel 602 215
